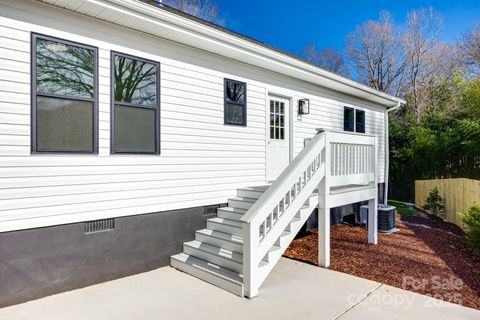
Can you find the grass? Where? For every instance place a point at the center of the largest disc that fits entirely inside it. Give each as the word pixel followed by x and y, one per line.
pixel 402 208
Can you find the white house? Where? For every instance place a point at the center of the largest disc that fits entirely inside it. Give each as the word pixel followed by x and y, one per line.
pixel 124 125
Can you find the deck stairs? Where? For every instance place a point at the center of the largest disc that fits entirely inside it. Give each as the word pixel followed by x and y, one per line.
pixel 216 254
pixel 241 245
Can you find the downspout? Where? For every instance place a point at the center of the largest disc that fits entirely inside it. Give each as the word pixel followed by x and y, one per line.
pixel 387 151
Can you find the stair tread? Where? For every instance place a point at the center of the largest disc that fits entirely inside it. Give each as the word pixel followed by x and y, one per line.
pixel 221 252
pixel 251 200
pixel 208 258
pixel 211 268
pixel 255 188
pixel 221 235
pixel 228 222
pixel 232 210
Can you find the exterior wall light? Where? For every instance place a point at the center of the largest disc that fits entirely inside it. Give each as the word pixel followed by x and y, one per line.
pixel 303 106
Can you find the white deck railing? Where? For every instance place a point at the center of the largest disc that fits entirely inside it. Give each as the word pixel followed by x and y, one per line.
pixel 352 159
pixel 351 162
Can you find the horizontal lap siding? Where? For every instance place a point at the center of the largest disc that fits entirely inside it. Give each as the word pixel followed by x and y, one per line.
pixel 202 161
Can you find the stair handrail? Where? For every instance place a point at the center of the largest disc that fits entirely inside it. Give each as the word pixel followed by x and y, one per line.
pixel 261 228
pixel 316 144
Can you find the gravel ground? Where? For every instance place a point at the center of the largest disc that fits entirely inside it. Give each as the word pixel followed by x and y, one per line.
pixel 424 260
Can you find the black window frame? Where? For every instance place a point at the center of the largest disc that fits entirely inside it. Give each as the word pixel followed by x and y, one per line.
pixel 225 102
pixel 35 94
pixel 354 124
pixel 345 128
pixel 357 111
pixel 156 108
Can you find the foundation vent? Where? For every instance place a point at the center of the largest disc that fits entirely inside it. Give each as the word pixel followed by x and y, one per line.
pixel 99 225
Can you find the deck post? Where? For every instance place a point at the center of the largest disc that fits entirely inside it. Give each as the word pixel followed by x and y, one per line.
pixel 373 203
pixel 323 231
pixel 373 221
pixel 324 211
pixel 249 255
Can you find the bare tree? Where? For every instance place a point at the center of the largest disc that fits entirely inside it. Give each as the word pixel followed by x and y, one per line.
pixel 423 49
pixel 203 9
pixel 470 48
pixel 377 54
pixel 439 64
pixel 328 59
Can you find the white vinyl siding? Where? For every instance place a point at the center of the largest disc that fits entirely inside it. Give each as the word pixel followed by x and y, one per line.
pixel 202 161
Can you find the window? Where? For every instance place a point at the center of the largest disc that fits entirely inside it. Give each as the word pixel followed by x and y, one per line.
pixel 348 119
pixel 235 108
pixel 360 121
pixel 277 120
pixel 135 105
pixel 64 100
pixel 353 120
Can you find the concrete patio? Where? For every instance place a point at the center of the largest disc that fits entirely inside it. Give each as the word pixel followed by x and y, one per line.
pixel 294 290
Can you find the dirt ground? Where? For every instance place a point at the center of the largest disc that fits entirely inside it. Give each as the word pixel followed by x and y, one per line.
pixel 438 263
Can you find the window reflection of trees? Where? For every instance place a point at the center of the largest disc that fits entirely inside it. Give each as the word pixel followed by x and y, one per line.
pixel 64 69
pixel 135 81
pixel 235 92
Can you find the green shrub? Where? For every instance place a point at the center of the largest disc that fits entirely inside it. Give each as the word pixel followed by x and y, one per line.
pixel 471 218
pixel 435 203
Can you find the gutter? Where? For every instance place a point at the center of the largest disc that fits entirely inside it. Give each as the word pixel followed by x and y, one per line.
pixel 387 151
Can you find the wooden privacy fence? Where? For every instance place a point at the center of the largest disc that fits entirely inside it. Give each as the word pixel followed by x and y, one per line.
pixel 458 194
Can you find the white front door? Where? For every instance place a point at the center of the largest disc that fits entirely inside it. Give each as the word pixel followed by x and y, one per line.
pixel 278 137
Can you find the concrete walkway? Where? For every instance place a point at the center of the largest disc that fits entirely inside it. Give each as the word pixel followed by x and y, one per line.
pixel 294 290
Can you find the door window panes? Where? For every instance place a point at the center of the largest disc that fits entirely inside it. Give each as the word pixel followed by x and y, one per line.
pixel 277 120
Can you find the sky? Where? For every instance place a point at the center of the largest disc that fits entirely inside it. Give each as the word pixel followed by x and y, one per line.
pixel 290 25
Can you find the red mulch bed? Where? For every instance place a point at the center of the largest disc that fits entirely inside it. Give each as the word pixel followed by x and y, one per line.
pixel 426 261
pixel 434 222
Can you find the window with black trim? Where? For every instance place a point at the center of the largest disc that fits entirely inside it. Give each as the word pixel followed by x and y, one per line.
pixel 348 119
pixel 135 105
pixel 360 121
pixel 235 108
pixel 64 96
pixel 353 120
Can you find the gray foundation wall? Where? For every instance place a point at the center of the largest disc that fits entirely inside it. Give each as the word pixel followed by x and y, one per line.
pixel 39 262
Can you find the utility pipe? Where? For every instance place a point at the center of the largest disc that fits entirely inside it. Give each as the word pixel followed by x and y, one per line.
pixel 387 151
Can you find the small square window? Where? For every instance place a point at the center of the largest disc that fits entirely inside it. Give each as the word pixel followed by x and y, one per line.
pixel 235 103
pixel 353 120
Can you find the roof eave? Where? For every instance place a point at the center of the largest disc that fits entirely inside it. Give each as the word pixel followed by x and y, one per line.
pixel 171 26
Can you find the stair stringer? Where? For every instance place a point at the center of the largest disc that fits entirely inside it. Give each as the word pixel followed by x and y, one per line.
pixel 284 240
